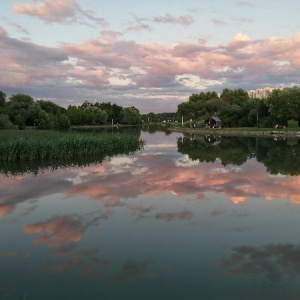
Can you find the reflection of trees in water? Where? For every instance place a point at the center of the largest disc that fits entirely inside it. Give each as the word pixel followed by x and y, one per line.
pixel 271 261
pixel 19 168
pixel 278 155
pixel 230 150
pixel 156 127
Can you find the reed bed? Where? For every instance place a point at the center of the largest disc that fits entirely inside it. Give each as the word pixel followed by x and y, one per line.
pixel 18 146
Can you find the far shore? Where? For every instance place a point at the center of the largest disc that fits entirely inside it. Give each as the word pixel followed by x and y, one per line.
pixel 238 132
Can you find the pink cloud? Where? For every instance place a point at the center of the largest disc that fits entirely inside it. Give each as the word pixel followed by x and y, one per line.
pixel 49 10
pixel 64 229
pixel 161 64
pixel 95 63
pixel 67 11
pixel 163 177
pixel 58 231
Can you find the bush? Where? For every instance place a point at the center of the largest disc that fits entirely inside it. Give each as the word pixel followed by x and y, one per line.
pixel 5 123
pixel 292 123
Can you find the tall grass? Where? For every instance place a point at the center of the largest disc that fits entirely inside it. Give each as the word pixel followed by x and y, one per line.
pixel 22 146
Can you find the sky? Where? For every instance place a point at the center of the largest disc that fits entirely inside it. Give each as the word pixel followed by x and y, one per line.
pixel 149 54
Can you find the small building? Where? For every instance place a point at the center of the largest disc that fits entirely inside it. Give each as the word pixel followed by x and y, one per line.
pixel 213 122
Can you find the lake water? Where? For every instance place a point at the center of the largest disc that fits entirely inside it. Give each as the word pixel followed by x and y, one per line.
pixel 188 217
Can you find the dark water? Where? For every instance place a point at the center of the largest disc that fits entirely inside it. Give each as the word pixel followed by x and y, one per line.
pixel 189 217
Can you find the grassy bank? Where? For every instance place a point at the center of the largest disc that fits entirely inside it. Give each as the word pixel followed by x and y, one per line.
pixel 249 131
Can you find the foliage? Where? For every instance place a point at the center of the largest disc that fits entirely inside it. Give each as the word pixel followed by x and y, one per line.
pixel 292 123
pixel 20 120
pixel 113 111
pixel 233 107
pixel 285 104
pixel 50 107
pixel 18 105
pixel 5 122
pixel 131 116
pixel 235 97
pixel 160 117
pixel 23 111
pixel 2 99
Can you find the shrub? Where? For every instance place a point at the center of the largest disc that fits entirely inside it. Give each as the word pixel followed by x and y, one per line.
pixel 5 123
pixel 292 123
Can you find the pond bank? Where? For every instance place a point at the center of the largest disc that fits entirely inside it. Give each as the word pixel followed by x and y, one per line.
pixel 236 132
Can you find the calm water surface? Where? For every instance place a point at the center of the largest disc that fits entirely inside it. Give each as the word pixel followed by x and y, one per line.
pixel 189 217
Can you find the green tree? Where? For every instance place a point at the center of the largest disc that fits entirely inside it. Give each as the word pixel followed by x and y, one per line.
pixel 75 115
pixel 88 116
pixel 32 114
pixel 5 122
pixel 20 119
pixel 63 122
pixel 17 104
pixel 292 123
pixel 44 120
pixel 51 108
pixel 2 99
pixel 131 116
pixel 235 97
pixel 285 104
pixel 100 115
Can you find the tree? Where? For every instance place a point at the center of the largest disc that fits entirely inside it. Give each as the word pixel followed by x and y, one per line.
pixel 285 104
pixel 88 116
pixel 51 107
pixel 100 115
pixel 17 104
pixel 131 116
pixel 44 120
pixel 32 114
pixel 75 115
pixel 63 122
pixel 20 120
pixel 237 96
pixel 2 99
pixel 5 122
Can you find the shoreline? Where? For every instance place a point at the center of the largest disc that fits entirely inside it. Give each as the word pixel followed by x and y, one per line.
pixel 237 132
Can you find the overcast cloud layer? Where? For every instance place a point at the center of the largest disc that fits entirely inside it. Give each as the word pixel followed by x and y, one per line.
pixel 151 55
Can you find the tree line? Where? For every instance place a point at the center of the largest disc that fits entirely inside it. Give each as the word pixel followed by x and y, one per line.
pixel 236 109
pixel 22 110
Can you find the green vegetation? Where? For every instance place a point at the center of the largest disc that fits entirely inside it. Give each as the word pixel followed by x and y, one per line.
pixel 236 109
pixel 233 107
pixel 48 145
pixel 21 111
